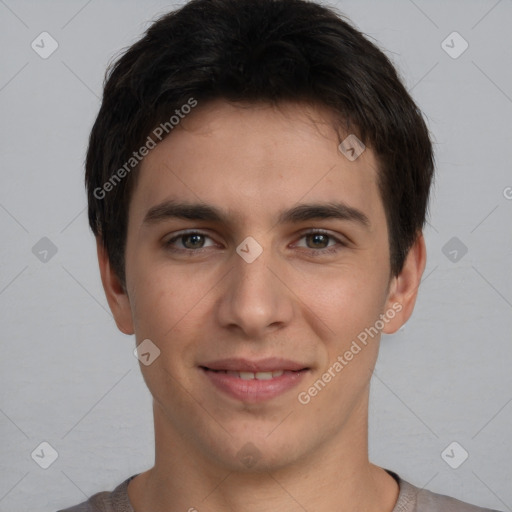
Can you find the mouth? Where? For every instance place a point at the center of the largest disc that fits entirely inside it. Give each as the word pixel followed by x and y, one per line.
pixel 251 375
pixel 254 381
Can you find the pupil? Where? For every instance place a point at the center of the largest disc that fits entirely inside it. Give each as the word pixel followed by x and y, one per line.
pixel 194 243
pixel 317 237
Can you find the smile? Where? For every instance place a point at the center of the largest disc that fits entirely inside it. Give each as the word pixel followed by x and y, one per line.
pixel 251 375
pixel 253 382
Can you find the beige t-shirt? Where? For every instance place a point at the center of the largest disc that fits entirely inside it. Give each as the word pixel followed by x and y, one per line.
pixel 410 499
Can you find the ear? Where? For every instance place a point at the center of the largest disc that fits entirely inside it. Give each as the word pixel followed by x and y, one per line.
pixel 403 288
pixel 117 297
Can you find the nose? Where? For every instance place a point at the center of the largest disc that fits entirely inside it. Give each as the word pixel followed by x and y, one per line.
pixel 254 298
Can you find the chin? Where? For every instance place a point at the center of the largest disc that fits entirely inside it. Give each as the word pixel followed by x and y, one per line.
pixel 259 452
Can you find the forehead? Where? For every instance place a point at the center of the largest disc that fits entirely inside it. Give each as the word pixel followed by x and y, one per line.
pixel 254 160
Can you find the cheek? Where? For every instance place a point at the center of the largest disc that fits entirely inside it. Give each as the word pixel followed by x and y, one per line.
pixel 346 309
pixel 164 300
pixel 166 312
pixel 344 301
pixel 172 308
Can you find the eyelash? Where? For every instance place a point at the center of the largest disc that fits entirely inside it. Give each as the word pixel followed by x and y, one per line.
pixel 313 252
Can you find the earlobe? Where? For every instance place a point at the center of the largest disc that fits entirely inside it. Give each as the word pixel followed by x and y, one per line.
pixel 117 297
pixel 403 289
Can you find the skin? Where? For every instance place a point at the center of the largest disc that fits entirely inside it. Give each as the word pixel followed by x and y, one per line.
pixel 294 301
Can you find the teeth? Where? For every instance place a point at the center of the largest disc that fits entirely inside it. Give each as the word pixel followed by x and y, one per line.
pixel 264 375
pixel 257 375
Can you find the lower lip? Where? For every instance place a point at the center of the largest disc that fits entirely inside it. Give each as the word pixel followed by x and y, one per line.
pixel 254 390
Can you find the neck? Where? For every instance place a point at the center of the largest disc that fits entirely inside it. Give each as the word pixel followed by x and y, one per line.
pixel 336 475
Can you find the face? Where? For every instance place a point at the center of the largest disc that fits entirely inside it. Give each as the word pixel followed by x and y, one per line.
pixel 257 262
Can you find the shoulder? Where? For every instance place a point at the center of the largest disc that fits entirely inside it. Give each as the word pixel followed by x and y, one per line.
pixel 106 501
pixel 414 499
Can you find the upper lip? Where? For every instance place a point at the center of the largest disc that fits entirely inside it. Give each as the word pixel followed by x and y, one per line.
pixel 247 365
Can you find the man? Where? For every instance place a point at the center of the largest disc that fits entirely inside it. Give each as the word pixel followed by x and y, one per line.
pixel 258 180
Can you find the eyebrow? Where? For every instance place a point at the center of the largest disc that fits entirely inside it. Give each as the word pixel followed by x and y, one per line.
pixel 199 211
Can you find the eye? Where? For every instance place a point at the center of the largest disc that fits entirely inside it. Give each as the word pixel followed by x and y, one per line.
pixel 319 242
pixel 189 241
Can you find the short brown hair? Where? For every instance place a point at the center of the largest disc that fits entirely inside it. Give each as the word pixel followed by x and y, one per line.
pixel 253 51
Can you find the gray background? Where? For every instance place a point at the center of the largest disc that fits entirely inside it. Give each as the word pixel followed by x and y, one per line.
pixel 70 378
